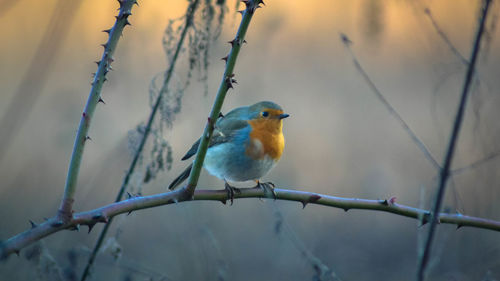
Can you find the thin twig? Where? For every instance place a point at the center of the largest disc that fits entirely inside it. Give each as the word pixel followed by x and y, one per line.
pixel 103 214
pixel 444 37
pixel 104 66
pixel 445 170
pixel 188 23
pixel 226 83
pixel 476 164
pixel 392 110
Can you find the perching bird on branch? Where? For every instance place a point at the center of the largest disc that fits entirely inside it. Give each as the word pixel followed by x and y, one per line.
pixel 246 144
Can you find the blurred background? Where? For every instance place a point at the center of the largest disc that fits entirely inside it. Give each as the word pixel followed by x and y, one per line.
pixel 340 139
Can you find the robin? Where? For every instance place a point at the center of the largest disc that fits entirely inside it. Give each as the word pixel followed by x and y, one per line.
pixel 246 144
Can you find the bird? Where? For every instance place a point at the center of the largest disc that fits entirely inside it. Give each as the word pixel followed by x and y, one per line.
pixel 246 144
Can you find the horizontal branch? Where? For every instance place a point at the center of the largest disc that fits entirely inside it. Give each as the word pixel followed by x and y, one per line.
pixel 103 214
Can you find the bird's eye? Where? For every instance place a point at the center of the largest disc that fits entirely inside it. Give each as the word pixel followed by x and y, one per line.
pixel 265 113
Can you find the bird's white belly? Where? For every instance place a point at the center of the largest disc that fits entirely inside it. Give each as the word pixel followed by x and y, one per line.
pixel 230 162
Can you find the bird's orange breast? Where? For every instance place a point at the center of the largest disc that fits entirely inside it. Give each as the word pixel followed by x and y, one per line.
pixel 269 133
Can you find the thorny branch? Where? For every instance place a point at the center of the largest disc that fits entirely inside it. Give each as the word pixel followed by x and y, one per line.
pixel 226 84
pixel 103 214
pixel 104 66
pixel 188 23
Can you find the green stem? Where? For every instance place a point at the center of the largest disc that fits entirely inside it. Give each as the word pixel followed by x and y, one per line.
pixel 188 23
pixel 226 83
pixel 103 214
pixel 104 66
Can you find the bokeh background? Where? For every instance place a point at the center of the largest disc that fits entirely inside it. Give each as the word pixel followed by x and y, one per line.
pixel 340 140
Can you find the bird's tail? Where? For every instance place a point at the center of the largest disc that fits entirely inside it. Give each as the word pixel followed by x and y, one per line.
pixel 182 177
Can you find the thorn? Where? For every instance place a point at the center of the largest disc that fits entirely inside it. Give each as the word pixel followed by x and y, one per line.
pixel 129 195
pixel 101 101
pixel 127 22
pixel 314 198
pixel 232 42
pixel 459 226
pixel 304 203
pixel 105 45
pixel 241 12
pixel 107 30
pixel 247 3
pixel 244 41
pixel 90 225
pixel 262 2
pixel 346 209
pixel 221 115
pixel 425 219
pixel 225 58
pixel 230 81
pixel 97 62
pixel 136 3
pixel 33 225
pixel 101 218
pixel 223 201
pixel 384 202
pixel 88 138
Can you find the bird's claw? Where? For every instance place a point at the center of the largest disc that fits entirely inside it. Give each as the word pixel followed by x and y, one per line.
pixel 268 188
pixel 231 190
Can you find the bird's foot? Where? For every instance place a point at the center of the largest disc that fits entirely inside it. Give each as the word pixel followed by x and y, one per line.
pixel 231 190
pixel 268 188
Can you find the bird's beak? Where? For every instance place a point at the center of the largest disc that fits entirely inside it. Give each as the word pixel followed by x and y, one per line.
pixel 283 116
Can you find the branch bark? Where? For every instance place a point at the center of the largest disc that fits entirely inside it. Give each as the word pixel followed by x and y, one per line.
pixel 103 214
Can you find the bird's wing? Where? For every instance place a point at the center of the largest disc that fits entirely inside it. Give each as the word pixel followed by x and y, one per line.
pixel 225 130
